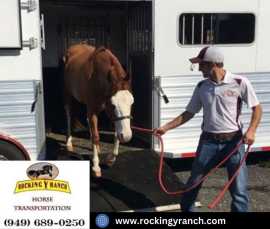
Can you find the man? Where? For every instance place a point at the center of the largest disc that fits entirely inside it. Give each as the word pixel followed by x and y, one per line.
pixel 220 95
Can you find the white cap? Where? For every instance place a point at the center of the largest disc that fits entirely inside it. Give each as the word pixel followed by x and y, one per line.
pixel 209 54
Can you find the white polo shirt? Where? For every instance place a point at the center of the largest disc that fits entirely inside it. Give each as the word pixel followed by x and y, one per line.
pixel 222 102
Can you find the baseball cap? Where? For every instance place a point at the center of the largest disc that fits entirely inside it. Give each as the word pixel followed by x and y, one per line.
pixel 208 54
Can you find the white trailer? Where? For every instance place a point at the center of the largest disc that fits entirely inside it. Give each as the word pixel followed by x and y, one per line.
pixel 153 39
pixel 21 96
pixel 239 28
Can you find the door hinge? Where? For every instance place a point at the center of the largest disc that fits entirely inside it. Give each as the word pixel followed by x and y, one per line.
pixel 43 44
pixel 32 43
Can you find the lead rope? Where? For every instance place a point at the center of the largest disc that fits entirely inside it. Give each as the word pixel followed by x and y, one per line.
pixel 219 197
pixel 221 194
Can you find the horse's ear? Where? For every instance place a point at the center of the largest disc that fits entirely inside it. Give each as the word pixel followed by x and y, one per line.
pixel 128 77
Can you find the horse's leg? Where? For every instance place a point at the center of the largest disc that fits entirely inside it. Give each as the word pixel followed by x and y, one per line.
pixel 112 156
pixel 93 121
pixel 98 146
pixel 68 101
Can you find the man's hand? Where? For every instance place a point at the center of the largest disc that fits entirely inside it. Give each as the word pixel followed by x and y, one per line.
pixel 249 137
pixel 160 131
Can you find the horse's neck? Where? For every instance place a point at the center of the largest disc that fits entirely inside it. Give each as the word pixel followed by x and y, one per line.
pixel 100 84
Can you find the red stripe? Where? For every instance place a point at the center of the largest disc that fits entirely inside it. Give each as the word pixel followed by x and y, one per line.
pixel 190 154
pixel 266 148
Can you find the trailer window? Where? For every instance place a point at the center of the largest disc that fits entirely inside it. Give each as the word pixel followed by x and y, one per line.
pixel 10 29
pixel 218 28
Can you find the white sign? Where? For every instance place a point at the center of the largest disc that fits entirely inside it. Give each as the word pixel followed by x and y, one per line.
pixel 51 194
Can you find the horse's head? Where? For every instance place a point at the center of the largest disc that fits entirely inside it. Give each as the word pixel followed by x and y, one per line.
pixel 120 104
pixel 117 89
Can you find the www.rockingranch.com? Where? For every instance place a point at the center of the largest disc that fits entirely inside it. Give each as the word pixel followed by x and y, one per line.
pixel 170 222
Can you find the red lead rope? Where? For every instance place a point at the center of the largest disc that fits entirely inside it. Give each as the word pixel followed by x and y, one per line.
pixel 219 197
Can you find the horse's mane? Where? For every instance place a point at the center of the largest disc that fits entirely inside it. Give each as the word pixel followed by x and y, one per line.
pixel 119 78
pixel 98 50
pixel 116 65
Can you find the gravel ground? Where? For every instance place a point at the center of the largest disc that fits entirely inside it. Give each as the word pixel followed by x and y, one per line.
pixel 258 186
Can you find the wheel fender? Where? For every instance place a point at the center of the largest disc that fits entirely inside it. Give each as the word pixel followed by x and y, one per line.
pixel 15 142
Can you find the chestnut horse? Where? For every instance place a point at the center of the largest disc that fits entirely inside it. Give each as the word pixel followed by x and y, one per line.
pixel 95 77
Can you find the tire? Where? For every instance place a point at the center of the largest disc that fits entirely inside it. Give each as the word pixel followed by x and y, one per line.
pixel 8 151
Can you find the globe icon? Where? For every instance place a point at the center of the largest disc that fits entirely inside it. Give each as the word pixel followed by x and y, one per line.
pixel 102 220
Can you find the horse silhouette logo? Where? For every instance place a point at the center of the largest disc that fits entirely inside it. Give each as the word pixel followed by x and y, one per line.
pixel 42 178
pixel 42 170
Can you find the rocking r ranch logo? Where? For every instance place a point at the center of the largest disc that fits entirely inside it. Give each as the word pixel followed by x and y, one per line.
pixel 42 178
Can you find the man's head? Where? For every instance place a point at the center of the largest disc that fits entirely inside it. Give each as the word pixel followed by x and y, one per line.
pixel 210 60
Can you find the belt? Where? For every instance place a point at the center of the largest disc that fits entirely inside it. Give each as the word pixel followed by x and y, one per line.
pixel 221 137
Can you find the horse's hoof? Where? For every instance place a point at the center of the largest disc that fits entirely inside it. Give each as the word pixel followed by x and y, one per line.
pixel 97 174
pixel 109 163
pixel 70 148
pixel 110 160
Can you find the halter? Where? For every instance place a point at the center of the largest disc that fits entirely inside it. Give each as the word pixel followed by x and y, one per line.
pixel 122 118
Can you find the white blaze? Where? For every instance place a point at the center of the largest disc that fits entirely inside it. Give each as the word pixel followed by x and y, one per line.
pixel 122 101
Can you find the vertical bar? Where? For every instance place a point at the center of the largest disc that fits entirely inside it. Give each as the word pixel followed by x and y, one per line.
pixel 66 35
pixel 211 30
pixel 133 36
pixel 144 29
pixel 192 29
pixel 140 17
pixel 202 24
pixel 127 34
pixel 79 30
pixel 150 40
pixel 211 22
pixel 129 30
pixel 132 30
pixel 138 14
pixel 87 27
pixel 136 30
pixel 183 29
pixel 103 34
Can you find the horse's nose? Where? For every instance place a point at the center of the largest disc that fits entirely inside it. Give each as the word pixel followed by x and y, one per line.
pixel 124 137
pixel 121 138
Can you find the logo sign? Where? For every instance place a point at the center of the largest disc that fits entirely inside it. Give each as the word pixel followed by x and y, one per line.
pixel 42 177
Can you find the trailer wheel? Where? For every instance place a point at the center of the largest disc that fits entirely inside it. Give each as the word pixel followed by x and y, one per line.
pixel 9 151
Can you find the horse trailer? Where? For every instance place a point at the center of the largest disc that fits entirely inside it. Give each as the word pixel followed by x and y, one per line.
pixel 153 39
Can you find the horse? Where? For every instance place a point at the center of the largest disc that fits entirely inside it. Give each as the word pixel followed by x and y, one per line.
pixel 94 77
pixel 46 170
